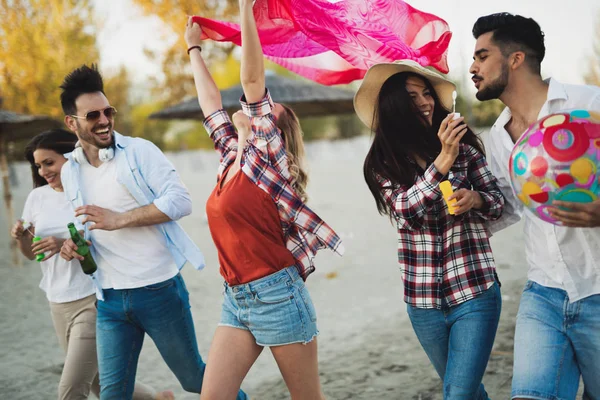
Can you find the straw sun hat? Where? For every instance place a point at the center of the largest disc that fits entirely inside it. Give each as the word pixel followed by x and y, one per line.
pixel 365 99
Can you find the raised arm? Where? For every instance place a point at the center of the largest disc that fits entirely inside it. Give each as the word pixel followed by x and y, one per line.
pixel 217 122
pixel 253 66
pixel 209 96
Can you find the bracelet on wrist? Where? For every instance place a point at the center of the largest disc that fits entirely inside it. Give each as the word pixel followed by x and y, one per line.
pixel 194 47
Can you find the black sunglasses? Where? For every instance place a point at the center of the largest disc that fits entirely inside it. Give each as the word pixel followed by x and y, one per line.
pixel 109 112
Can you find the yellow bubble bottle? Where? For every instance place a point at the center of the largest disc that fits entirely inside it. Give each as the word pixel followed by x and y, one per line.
pixel 446 188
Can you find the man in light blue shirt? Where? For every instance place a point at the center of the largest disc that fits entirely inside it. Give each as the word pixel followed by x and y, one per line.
pixel 127 197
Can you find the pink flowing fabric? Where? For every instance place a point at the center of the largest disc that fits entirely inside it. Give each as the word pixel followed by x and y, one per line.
pixel 335 43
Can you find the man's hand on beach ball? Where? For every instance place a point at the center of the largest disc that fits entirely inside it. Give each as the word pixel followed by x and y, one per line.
pixel 577 215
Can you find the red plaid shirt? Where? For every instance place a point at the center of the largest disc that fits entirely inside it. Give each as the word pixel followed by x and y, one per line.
pixel 445 259
pixel 264 161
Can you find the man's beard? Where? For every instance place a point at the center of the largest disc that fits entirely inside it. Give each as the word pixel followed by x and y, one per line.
pixel 90 137
pixel 495 89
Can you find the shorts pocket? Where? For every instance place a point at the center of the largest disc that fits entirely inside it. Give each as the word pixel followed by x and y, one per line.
pixel 275 294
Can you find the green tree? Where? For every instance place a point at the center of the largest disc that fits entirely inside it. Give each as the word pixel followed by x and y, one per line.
pixel 177 83
pixel 40 42
pixel 485 113
pixel 43 40
pixel 118 91
pixel 151 129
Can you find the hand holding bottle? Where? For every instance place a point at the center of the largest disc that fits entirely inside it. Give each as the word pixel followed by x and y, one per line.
pixel 44 248
pixel 82 250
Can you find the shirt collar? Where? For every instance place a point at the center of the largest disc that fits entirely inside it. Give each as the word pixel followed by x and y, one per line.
pixel 556 90
pixel 120 140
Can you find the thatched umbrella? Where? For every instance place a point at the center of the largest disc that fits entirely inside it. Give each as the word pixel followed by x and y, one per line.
pixel 306 99
pixel 17 127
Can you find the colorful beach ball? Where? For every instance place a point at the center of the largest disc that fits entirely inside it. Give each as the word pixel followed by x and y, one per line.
pixel 557 158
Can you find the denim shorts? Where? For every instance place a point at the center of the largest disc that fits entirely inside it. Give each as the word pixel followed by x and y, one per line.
pixel 276 309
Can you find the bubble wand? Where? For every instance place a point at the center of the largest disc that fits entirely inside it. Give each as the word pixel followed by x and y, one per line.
pixel 26 226
pixel 454 96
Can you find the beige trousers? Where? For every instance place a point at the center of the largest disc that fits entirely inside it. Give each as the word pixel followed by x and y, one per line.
pixel 75 325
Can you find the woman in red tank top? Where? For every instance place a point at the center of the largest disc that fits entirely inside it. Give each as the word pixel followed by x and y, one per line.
pixel 265 234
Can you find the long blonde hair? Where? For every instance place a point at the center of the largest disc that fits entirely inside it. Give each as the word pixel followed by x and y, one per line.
pixel 289 125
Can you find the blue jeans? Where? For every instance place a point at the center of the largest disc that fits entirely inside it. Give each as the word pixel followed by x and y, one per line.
pixel 556 343
pixel 161 310
pixel 458 341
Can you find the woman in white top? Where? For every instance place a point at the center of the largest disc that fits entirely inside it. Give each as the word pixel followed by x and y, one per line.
pixel 69 291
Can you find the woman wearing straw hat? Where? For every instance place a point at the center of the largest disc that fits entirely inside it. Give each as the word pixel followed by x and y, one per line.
pixel 450 283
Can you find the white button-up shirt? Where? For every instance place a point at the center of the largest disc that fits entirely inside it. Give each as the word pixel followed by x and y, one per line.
pixel 558 257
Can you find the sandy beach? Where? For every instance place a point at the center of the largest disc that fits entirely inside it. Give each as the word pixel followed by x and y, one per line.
pixel 367 347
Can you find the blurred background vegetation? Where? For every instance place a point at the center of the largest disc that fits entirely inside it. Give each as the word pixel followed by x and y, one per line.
pixel 42 40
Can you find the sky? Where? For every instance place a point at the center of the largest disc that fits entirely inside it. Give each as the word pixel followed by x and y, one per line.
pixel 568 27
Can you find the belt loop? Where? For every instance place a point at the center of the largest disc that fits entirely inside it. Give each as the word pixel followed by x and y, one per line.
pixel 292 276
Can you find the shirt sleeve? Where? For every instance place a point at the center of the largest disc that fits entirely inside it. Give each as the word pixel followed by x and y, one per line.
pixel 409 206
pixel 266 136
pixel 221 131
pixel 512 211
pixel 29 209
pixel 171 196
pixel 486 184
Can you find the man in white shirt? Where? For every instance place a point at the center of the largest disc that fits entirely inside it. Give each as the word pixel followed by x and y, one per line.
pixel 557 338
pixel 127 196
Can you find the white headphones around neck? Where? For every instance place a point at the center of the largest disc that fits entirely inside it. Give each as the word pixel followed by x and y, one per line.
pixel 104 155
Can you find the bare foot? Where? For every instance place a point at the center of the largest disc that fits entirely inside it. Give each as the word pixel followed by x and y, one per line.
pixel 166 395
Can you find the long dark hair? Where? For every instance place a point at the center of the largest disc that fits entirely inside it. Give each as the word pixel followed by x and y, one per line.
pixel 58 140
pixel 400 135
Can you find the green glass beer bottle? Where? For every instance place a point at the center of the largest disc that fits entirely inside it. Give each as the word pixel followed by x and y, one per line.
pixel 88 265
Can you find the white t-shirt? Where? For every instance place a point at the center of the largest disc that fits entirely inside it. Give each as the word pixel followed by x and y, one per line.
pixel 50 212
pixel 127 258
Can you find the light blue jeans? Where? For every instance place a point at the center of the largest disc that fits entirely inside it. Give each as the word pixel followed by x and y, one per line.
pixel 556 343
pixel 458 341
pixel 161 310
